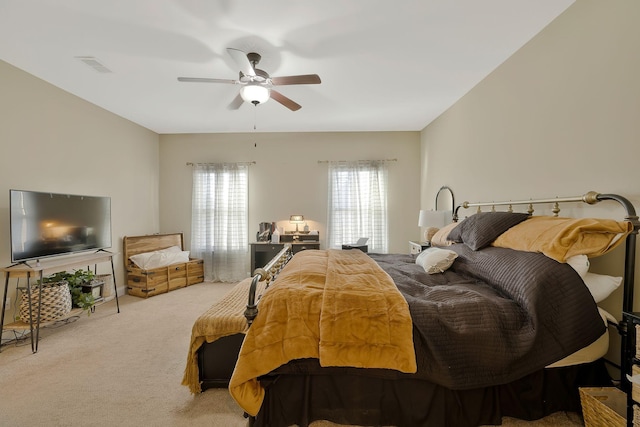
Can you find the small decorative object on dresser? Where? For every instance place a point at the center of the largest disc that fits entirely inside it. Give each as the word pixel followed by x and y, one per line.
pixel 158 264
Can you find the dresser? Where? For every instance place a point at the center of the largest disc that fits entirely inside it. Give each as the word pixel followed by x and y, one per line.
pixel 262 252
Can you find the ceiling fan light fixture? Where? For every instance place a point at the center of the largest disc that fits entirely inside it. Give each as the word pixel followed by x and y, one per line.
pixel 255 84
pixel 255 93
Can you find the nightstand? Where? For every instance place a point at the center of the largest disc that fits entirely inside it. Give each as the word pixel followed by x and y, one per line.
pixel 417 247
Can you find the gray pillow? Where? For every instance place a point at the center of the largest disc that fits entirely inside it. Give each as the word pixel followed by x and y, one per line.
pixel 480 229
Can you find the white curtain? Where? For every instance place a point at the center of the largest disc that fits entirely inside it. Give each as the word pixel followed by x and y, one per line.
pixel 358 204
pixel 219 220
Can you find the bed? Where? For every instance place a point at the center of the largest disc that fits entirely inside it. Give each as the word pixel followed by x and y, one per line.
pixel 497 324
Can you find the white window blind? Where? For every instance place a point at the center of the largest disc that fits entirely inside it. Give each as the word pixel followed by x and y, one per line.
pixel 358 204
pixel 219 220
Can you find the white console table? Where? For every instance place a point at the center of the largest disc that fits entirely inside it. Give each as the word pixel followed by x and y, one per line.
pixel 38 270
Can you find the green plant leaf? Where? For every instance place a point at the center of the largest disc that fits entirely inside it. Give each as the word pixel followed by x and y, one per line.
pixel 75 280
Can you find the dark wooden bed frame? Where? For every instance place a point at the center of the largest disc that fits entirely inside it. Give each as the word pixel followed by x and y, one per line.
pixel 315 397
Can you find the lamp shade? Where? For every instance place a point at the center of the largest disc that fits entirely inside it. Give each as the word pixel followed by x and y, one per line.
pixel 255 93
pixel 296 219
pixel 432 218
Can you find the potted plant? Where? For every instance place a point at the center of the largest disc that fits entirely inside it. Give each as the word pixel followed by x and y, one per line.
pixel 83 300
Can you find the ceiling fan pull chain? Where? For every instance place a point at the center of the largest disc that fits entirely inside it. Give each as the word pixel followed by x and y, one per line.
pixel 255 115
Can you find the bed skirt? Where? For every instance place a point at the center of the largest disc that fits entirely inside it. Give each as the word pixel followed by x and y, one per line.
pixel 353 398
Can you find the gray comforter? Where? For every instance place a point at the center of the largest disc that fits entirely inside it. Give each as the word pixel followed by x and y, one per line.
pixel 495 316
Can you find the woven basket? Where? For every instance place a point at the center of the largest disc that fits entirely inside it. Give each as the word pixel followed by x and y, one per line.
pixel 637 341
pixel 603 406
pixel 56 302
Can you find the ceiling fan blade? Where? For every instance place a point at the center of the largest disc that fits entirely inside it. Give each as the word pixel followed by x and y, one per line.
pixel 205 80
pixel 236 103
pixel 278 97
pixel 305 79
pixel 242 61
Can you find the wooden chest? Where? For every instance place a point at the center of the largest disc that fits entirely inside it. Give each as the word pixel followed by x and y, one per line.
pixel 149 282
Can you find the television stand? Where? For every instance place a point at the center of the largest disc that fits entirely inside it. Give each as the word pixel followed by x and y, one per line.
pixel 46 268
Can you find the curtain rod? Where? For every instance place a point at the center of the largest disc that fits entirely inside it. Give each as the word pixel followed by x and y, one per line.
pixel 383 160
pixel 223 163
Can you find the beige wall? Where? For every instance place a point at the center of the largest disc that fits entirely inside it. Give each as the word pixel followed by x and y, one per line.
pixel 558 118
pixel 287 178
pixel 53 141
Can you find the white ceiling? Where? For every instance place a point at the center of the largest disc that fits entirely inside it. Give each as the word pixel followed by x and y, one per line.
pixel 385 65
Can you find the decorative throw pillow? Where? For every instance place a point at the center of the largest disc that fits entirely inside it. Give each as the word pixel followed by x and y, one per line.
pixel 441 238
pixel 480 229
pixel 436 260
pixel 601 285
pixel 160 258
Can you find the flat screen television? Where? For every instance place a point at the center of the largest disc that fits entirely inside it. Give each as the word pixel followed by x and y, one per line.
pixel 49 224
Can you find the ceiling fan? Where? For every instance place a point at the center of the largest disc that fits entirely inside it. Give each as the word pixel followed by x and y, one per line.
pixel 257 85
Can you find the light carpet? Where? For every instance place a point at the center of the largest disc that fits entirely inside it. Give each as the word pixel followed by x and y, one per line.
pixel 125 369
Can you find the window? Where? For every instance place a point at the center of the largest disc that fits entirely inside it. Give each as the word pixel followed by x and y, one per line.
pixel 358 204
pixel 219 220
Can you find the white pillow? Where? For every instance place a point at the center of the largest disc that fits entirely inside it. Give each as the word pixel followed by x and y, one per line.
pixel 601 285
pixel 436 260
pixel 160 258
pixel 580 264
pixel 170 249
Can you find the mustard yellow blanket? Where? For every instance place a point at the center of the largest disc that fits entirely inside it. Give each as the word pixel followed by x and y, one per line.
pixel 224 318
pixel 337 306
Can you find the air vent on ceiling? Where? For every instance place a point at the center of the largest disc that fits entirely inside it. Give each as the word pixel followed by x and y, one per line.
pixel 94 63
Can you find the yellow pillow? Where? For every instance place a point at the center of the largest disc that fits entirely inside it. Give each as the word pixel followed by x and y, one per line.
pixel 562 238
pixel 440 238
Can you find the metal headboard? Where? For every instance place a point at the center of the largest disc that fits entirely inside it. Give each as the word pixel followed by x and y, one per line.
pixel 590 198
